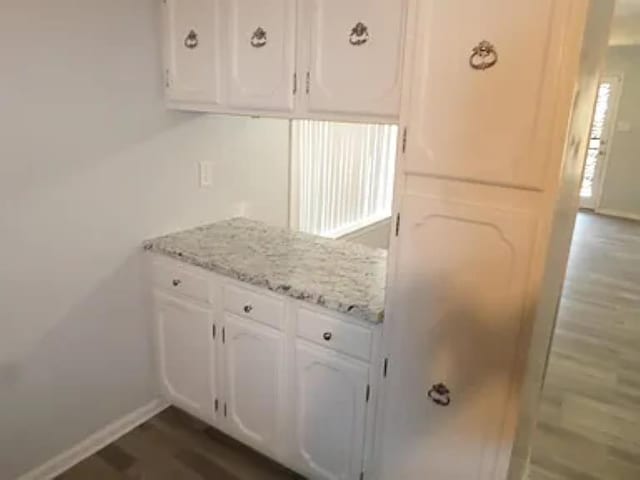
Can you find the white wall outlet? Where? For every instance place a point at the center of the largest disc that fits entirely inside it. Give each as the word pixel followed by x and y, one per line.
pixel 206 174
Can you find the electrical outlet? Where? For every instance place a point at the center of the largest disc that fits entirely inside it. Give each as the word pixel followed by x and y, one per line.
pixel 206 174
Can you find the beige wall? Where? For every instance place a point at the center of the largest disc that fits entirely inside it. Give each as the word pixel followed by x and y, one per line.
pixel 621 183
pixel 91 164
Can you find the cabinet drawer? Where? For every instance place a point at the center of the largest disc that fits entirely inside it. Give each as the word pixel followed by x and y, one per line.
pixel 335 334
pixel 180 280
pixel 261 308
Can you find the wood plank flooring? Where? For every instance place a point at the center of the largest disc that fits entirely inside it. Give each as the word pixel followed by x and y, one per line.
pixel 175 446
pixel 589 426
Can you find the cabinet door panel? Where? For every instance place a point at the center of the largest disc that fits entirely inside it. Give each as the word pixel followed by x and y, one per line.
pixel 491 125
pixel 459 304
pixel 330 413
pixel 192 50
pixel 356 56
pixel 187 355
pixel 262 53
pixel 253 359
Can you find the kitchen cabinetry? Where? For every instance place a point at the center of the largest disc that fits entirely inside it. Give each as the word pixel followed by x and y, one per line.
pixel 331 400
pixel 253 356
pixel 290 380
pixel 318 59
pixel 260 41
pixel 186 355
pixel 354 56
pixel 486 103
pixel 483 100
pixel 193 53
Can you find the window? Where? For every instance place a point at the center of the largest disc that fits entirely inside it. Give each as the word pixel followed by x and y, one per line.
pixel 342 175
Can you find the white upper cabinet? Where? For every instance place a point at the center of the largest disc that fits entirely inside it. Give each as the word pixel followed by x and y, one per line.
pixel 483 89
pixel 192 51
pixel 355 53
pixel 330 413
pixel 253 375
pixel 460 304
pixel 261 45
pixel 187 355
pixel 324 59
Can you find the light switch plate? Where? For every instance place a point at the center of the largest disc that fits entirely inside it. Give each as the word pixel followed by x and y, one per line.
pixel 206 174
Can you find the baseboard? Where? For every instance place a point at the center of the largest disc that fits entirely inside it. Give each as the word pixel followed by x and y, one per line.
pixel 617 214
pixel 95 442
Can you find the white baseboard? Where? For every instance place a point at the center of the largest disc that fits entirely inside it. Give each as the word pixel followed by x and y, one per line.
pixel 617 213
pixel 95 442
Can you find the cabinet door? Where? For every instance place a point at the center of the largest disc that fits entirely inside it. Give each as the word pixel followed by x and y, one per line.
pixel 253 365
pixel 459 300
pixel 192 50
pixel 186 352
pixel 493 124
pixel 355 56
pixel 261 40
pixel 331 400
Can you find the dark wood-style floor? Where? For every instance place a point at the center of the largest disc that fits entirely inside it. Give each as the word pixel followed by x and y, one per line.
pixel 589 426
pixel 175 446
pixel 590 417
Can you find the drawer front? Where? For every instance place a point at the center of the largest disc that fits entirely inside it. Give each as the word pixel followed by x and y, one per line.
pixel 180 281
pixel 335 334
pixel 262 308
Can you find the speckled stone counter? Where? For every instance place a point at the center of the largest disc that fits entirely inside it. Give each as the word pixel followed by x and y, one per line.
pixel 338 275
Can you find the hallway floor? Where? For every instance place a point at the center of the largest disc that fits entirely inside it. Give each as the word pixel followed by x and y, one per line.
pixel 590 415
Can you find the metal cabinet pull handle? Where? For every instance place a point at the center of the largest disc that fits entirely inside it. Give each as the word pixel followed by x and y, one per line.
pixel 483 56
pixel 327 336
pixel 191 40
pixel 247 308
pixel 176 282
pixel 440 394
pixel 359 35
pixel 259 38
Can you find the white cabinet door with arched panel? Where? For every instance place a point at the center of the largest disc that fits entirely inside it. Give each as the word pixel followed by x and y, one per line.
pixel 253 357
pixel 187 355
pixel 261 45
pixel 459 304
pixel 331 396
pixel 355 56
pixel 192 50
pixel 484 89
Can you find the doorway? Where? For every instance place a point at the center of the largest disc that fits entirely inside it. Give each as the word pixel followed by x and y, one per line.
pixel 600 141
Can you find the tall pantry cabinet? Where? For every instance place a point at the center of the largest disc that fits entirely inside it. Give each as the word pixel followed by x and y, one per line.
pixel 487 100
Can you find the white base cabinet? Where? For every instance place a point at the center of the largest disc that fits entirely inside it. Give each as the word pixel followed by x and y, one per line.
pixel 253 356
pixel 293 381
pixel 331 394
pixel 186 355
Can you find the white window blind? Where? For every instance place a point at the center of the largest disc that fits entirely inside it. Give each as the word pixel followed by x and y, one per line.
pixel 342 175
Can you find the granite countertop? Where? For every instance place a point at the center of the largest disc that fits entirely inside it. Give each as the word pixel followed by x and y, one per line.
pixel 338 275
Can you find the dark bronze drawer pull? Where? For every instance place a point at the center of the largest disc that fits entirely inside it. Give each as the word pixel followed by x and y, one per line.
pixel 327 336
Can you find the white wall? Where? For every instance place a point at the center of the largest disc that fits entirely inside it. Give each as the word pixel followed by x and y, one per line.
pixel 90 165
pixel 374 236
pixel 621 185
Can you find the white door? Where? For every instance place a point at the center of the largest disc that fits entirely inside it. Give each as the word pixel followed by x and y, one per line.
pixel 458 308
pixel 484 91
pixel 186 352
pixel 192 50
pixel 261 43
pixel 331 396
pixel 355 56
pixel 253 356
pixel 599 141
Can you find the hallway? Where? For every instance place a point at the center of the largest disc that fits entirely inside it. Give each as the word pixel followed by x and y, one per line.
pixel 589 425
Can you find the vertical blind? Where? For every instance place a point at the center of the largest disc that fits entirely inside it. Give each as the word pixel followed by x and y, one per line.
pixel 343 173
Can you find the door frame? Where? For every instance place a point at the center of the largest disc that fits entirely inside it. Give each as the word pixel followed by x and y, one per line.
pixel 617 81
